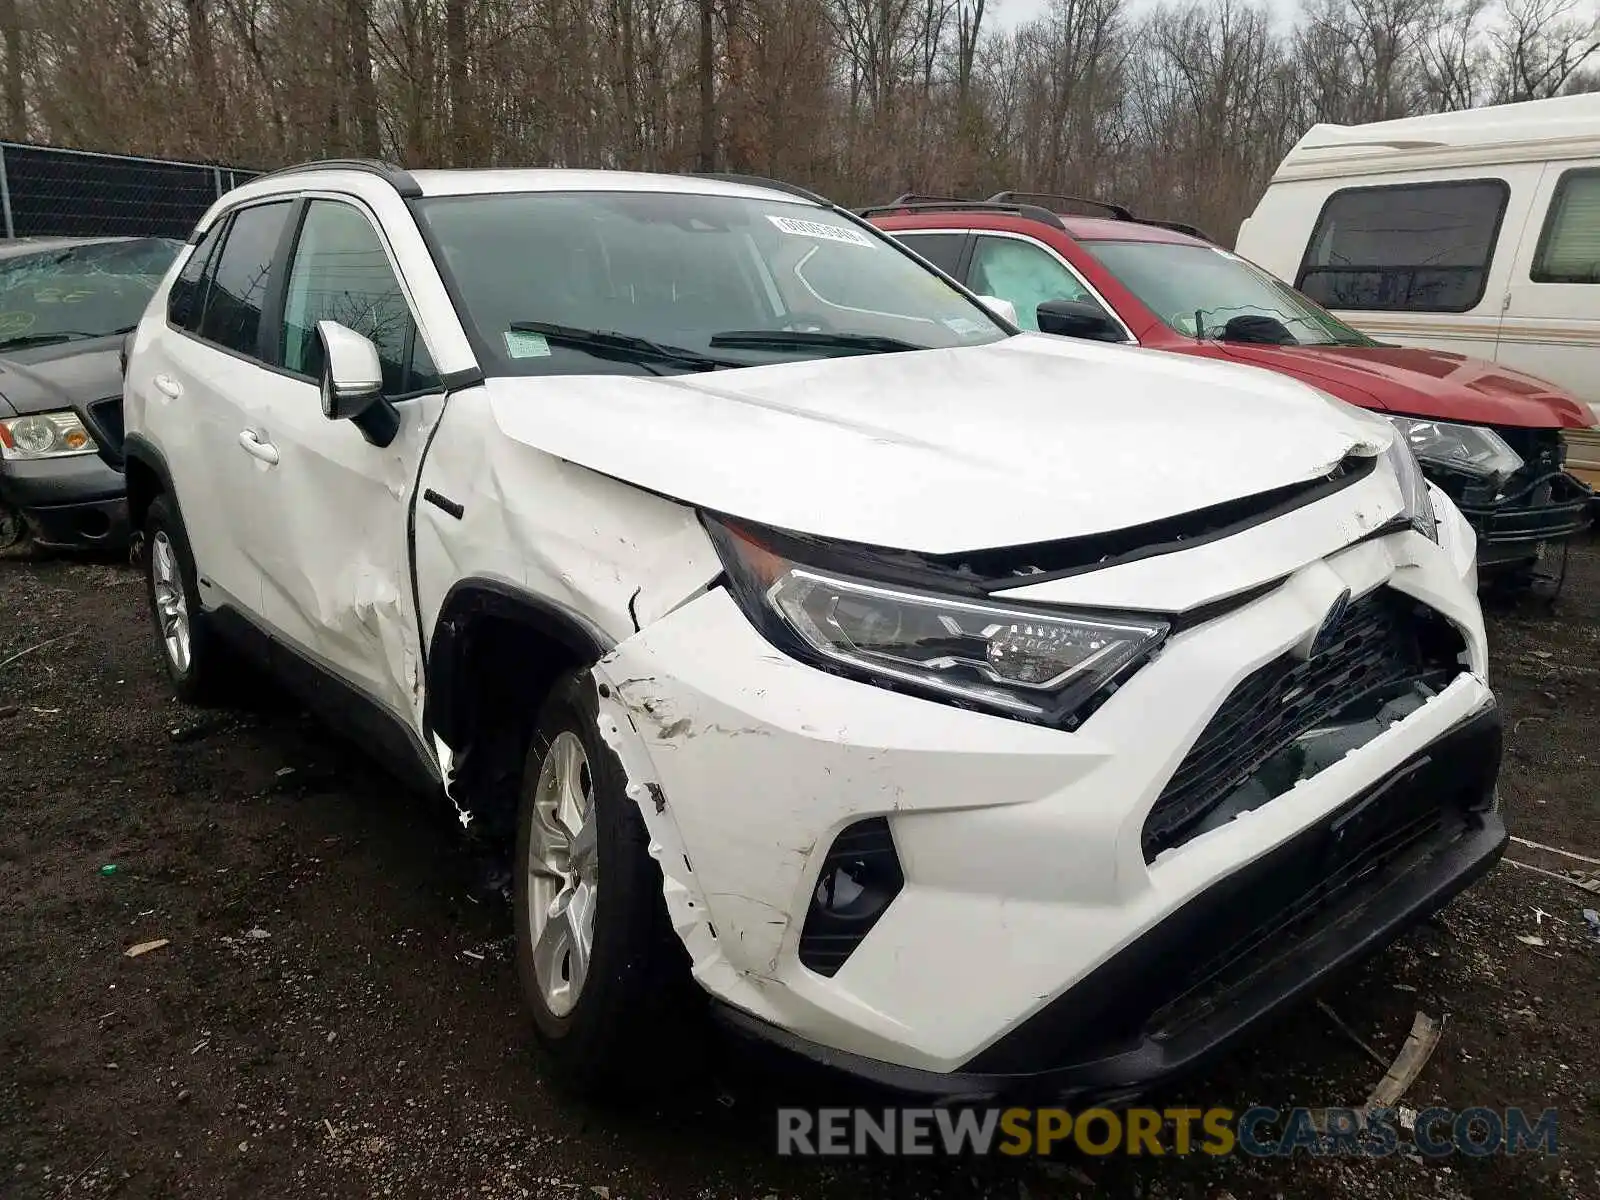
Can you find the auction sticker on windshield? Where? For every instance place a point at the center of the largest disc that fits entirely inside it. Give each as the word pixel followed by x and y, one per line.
pixel 815 229
pixel 522 344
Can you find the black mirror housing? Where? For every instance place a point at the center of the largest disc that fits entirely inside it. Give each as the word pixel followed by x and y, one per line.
pixel 1075 318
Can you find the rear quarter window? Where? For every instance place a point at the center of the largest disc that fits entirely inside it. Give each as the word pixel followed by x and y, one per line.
pixel 1414 247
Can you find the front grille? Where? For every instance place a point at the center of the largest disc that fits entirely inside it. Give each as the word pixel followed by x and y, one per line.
pixel 1539 503
pixel 105 423
pixel 1376 647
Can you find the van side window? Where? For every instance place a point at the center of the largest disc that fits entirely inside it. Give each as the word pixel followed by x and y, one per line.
pixel 1569 244
pixel 1418 247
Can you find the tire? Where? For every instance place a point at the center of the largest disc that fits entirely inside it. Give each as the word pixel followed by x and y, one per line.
pixel 196 677
pixel 630 1026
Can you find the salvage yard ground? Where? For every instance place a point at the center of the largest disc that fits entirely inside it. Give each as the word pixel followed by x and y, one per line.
pixel 335 1012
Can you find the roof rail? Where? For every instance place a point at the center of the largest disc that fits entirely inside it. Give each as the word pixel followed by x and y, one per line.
pixel 396 177
pixel 776 185
pixel 912 203
pixel 1116 210
pixel 1193 231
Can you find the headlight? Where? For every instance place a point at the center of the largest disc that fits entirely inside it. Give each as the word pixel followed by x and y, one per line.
pixel 1470 449
pixel 1032 663
pixel 45 435
pixel 1413 489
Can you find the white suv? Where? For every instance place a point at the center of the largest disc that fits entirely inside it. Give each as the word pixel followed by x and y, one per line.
pixel 976 711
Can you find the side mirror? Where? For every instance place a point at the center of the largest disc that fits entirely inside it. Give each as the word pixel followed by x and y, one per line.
pixel 352 378
pixel 352 383
pixel 1003 309
pixel 1074 318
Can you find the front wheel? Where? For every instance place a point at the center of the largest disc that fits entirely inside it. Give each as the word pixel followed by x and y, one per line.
pixel 188 649
pixel 605 976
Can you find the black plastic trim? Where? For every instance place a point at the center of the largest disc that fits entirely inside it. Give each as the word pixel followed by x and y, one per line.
pixel 385 734
pixel 443 503
pixel 480 595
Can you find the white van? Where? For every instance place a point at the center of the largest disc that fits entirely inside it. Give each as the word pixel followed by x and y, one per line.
pixel 1475 232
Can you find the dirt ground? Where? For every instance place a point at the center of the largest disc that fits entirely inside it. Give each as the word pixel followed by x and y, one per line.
pixel 336 1014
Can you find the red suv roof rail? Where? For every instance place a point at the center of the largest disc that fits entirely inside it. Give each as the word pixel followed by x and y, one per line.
pixel 912 202
pixel 1116 210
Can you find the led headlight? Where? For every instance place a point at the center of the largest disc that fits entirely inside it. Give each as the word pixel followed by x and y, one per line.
pixel 1419 508
pixel 1032 663
pixel 1470 449
pixel 45 435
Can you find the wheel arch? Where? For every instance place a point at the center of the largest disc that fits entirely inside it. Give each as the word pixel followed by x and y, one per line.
pixel 495 652
pixel 147 476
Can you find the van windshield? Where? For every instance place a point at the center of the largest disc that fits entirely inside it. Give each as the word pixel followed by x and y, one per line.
pixel 656 282
pixel 1204 291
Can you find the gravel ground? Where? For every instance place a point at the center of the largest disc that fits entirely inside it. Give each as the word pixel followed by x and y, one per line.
pixel 336 1013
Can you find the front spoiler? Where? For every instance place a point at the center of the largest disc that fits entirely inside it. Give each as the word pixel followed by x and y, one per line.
pixel 1334 894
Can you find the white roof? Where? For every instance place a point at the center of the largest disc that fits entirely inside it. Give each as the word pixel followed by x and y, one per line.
pixel 1535 131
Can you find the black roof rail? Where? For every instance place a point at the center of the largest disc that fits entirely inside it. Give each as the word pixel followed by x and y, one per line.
pixel 1193 231
pixel 776 185
pixel 912 203
pixel 1116 210
pixel 395 176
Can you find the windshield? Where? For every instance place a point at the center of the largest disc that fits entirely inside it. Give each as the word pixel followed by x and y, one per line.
pixel 704 277
pixel 73 292
pixel 1204 291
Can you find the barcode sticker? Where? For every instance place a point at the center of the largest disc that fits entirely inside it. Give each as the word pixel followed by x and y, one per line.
pixel 816 229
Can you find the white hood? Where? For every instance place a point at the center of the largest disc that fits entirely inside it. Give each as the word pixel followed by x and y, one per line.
pixel 1027 440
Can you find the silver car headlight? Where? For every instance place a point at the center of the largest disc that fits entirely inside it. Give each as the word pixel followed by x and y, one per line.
pixel 1419 510
pixel 45 435
pixel 1029 662
pixel 1470 449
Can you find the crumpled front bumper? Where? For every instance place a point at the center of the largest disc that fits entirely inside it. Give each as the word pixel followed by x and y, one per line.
pixel 1026 884
pixel 1511 530
pixel 75 502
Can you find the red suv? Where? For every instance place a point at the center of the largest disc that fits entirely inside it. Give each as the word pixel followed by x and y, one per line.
pixel 1488 436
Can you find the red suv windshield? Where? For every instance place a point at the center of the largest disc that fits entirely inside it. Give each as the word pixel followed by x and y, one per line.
pixel 1204 291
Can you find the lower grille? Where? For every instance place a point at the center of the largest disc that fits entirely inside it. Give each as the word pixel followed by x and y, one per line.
pixel 105 423
pixel 1382 643
pixel 1280 934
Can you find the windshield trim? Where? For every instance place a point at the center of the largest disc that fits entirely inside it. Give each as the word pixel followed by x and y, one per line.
pixel 1357 339
pixel 488 357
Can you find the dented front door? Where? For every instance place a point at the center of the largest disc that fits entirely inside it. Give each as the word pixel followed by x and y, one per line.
pixel 336 560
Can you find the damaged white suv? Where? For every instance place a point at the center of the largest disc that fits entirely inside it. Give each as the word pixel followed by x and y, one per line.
pixel 980 712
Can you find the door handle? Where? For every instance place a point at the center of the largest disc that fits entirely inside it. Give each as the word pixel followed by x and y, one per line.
pixel 168 386
pixel 256 448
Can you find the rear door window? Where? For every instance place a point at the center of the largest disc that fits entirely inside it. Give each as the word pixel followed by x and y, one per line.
pixel 1569 243
pixel 241 277
pixel 943 250
pixel 1417 247
pixel 187 299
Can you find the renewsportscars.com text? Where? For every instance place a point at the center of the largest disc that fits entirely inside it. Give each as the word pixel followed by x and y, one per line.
pixel 1259 1132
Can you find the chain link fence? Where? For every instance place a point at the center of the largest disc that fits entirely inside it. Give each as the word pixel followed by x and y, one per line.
pixel 47 191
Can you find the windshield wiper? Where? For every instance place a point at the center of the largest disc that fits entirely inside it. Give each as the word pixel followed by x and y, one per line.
pixel 621 347
pixel 784 339
pixel 46 339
